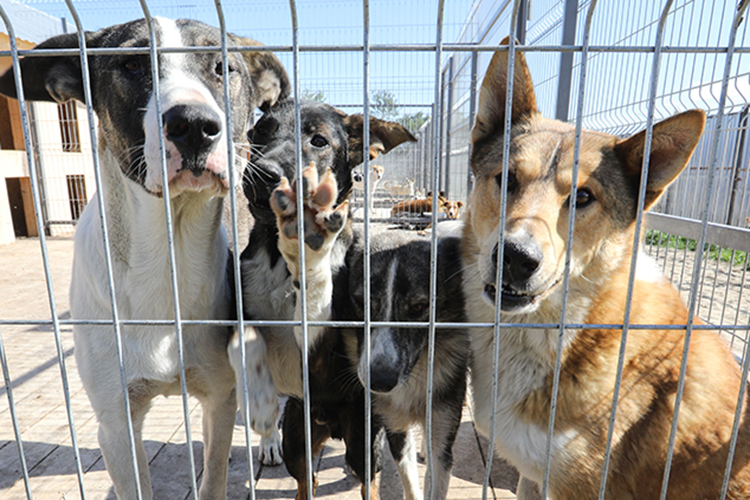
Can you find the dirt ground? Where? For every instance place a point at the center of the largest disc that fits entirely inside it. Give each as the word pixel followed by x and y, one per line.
pixel 723 291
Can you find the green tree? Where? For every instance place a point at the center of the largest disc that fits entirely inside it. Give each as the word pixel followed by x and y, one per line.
pixel 384 105
pixel 413 121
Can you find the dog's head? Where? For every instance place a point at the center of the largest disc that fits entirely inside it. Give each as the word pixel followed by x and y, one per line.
pixel 451 208
pixel 377 172
pixel 400 291
pixel 539 184
pixel 191 95
pixel 330 138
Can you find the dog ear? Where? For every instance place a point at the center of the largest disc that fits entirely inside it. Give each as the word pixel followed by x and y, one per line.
pixel 491 110
pixel 50 78
pixel 384 136
pixel 673 143
pixel 270 81
pixel 460 204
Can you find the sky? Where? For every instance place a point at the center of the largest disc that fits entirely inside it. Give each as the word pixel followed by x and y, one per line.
pixel 407 75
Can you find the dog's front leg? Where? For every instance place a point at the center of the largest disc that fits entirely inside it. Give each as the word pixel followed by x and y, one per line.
pixel 115 444
pixel 527 490
pixel 322 225
pixel 261 392
pixel 404 450
pixel 218 425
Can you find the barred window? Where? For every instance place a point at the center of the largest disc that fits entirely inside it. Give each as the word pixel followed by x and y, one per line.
pixel 68 114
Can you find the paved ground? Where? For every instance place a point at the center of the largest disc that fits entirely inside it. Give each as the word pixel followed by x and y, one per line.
pixel 40 408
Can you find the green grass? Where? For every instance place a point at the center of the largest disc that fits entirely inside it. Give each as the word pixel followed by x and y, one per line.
pixel 713 252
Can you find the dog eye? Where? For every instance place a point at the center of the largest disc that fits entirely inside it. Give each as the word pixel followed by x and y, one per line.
pixel 512 182
pixel 219 69
pixel 418 307
pixel 584 198
pixel 319 141
pixel 132 65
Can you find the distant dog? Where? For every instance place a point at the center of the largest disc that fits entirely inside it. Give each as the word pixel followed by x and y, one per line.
pixel 539 183
pixel 332 140
pixel 400 291
pixel 424 205
pixel 376 173
pixel 193 114
pixel 452 208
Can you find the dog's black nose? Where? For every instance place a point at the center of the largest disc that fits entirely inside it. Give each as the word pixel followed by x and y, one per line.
pixel 194 129
pixel 520 260
pixel 382 378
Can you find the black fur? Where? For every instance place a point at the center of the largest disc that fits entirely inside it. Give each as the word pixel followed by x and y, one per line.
pixel 337 397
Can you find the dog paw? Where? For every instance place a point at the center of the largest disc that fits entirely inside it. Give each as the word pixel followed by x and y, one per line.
pixel 264 407
pixel 322 221
pixel 269 451
pixel 262 399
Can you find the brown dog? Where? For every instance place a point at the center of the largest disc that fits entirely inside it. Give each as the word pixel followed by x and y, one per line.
pixel 424 205
pixel 535 234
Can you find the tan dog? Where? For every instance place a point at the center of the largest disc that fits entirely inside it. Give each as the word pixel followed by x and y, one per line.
pixel 423 205
pixel 539 184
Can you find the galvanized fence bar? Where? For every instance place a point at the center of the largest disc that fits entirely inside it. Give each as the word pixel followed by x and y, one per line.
pixel 501 238
pixel 565 74
pixel 12 404
pixel 699 254
pixel 367 249
pixel 153 44
pixel 303 322
pixel 636 243
pixel 427 47
pixel 39 213
pixel 437 134
pixel 732 238
pixel 236 266
pixel 472 114
pixel 568 250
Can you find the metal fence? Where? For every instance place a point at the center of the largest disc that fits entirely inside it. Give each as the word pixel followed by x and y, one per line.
pixel 664 57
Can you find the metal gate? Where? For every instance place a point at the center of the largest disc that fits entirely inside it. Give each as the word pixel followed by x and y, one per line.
pixel 686 54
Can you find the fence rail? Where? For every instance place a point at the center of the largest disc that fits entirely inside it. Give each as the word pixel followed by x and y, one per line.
pixel 683 55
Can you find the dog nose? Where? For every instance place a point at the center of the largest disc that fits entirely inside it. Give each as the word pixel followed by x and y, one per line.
pixel 382 377
pixel 194 129
pixel 520 260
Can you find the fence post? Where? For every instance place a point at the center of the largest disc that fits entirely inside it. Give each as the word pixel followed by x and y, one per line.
pixel 566 60
pixel 737 167
pixel 523 17
pixel 448 107
pixel 472 112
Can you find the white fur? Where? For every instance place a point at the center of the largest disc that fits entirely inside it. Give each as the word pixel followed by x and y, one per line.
pixel 407 469
pixel 176 86
pixel 143 286
pixel 376 173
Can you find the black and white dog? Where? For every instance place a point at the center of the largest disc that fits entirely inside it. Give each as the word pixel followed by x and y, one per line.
pixel 195 136
pixel 398 365
pixel 332 140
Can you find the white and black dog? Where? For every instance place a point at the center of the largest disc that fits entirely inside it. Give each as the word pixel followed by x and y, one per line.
pixel 193 116
pixel 398 366
pixel 332 140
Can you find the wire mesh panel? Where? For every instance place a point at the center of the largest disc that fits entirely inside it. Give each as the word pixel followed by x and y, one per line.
pixel 612 67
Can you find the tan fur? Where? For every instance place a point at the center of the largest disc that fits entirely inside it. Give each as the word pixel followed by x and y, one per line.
pixel 420 206
pixel 540 181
